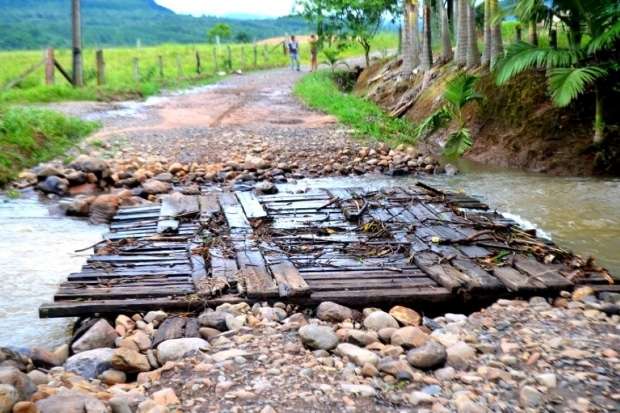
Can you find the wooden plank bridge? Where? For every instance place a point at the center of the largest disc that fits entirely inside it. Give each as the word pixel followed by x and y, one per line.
pixel 414 245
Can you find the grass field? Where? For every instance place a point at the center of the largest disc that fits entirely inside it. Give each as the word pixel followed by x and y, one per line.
pixel 179 69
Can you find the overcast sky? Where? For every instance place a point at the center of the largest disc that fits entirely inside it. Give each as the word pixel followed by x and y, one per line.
pixel 269 8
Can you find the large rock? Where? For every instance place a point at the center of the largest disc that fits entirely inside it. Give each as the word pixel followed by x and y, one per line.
pixel 46 170
pixel 19 380
pixel 130 361
pixel 406 316
pixel 356 354
pixel 318 337
pixel 12 358
pixel 214 319
pixel 378 320
pixel 8 397
pixel 154 187
pixel 460 354
pixel 90 364
pixel 409 337
pixel 396 367
pixel 361 337
pixel 87 164
pixel 332 312
pixel 175 349
pixel 54 185
pixel 71 402
pixel 103 208
pixel 101 334
pixel 429 356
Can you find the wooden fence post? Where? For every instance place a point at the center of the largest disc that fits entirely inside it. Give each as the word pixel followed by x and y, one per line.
pixel 215 63
pixel 198 64
pixel 518 33
pixel 160 63
pixel 229 58
pixel 49 66
pixel 136 69
pixel 179 67
pixel 100 67
pixel 255 55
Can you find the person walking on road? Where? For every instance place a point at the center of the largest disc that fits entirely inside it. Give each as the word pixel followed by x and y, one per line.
pixel 314 51
pixel 293 51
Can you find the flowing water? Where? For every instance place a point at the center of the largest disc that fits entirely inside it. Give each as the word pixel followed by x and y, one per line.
pixel 37 247
pixel 38 243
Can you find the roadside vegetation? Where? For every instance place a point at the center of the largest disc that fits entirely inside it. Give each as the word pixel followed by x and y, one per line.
pixel 30 136
pixel 320 91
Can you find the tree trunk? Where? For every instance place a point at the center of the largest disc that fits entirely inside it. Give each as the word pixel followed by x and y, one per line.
pixel 427 52
pixel 407 52
pixel 533 33
pixel 473 53
pixel 415 32
pixel 446 43
pixel 497 45
pixel 599 124
pixel 461 36
pixel 486 54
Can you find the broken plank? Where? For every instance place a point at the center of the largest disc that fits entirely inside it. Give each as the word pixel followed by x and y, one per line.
pixel 517 281
pixel 444 274
pixel 479 279
pixel 251 205
pixel 290 282
pixel 173 207
pixel 258 281
pixel 547 274
pixel 221 266
pixel 233 212
pixel 209 206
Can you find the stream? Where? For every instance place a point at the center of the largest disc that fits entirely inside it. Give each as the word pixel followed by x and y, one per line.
pixel 38 242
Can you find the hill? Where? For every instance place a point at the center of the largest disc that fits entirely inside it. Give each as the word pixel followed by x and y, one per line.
pixel 35 24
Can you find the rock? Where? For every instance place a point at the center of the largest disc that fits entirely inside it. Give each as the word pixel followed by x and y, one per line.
pixel 358 355
pixel 48 359
pixel 125 324
pixel 445 373
pixel 428 356
pixel 332 312
pixel 224 355
pixel 549 380
pixel 396 367
pixel 25 407
pixel 214 319
pixel 581 293
pixel 272 313
pixel 318 337
pixel 208 333
pixel 418 397
pixel 111 377
pixel 378 320
pixel 451 170
pixel 71 402
pixel 45 170
pixel 89 364
pixel 363 390
pixel 8 397
pixel 38 377
pixel 119 405
pixel 165 397
pixel 103 208
pixel 130 361
pixel 140 339
pixel 101 334
pixel 83 189
pixel 266 187
pixel 361 337
pixel 54 185
pixel 529 397
pixel 154 187
pixel 368 370
pixel 175 168
pixel 88 164
pixel 12 376
pixel 385 334
pixel 175 349
pixel 158 316
pixel 464 403
pixel 409 337
pixel 406 316
pixel 78 206
pixel 9 357
pixel 460 354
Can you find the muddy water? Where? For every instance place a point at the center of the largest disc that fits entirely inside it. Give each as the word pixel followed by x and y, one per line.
pixel 37 247
pixel 580 214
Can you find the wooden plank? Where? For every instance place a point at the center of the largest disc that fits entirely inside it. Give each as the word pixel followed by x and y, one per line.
pixel 251 205
pixel 444 274
pixel 363 297
pixel 174 206
pixel 362 275
pixel 516 281
pixel 337 285
pixel 258 281
pixel 233 212
pixel 290 282
pixel 137 258
pixel 479 279
pixel 221 266
pixel 209 206
pixel 548 274
pixel 104 293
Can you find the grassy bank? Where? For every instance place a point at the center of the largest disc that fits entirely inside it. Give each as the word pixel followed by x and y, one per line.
pixel 179 69
pixel 31 136
pixel 319 91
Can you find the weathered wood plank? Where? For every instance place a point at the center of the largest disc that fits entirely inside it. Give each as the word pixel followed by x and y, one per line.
pixel 172 207
pixel 548 274
pixel 233 212
pixel 444 274
pixel 365 297
pixel 516 281
pixel 251 205
pixel 479 279
pixel 209 206
pixel 290 282
pixel 221 266
pixel 258 281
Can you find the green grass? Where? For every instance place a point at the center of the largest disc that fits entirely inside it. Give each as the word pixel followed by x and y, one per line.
pixel 120 81
pixel 319 91
pixel 30 136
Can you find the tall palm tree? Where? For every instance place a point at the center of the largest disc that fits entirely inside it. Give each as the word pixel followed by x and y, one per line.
pixel 486 54
pixel 462 32
pixel 581 66
pixel 427 52
pixel 411 48
pixel 497 45
pixel 473 53
pixel 446 42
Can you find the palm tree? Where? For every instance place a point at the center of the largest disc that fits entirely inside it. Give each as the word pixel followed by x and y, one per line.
pixel 580 67
pixel 462 32
pixel 497 45
pixel 486 54
pixel 459 92
pixel 411 53
pixel 446 43
pixel 473 53
pixel 427 52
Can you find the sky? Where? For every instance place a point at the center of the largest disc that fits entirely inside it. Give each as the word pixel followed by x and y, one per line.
pixel 266 8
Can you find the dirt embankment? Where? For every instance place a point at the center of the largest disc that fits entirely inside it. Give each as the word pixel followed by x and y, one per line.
pixel 515 126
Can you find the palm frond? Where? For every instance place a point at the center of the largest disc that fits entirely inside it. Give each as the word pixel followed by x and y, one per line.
pixel 524 56
pixel 605 39
pixel 458 143
pixel 435 121
pixel 567 82
pixel 461 90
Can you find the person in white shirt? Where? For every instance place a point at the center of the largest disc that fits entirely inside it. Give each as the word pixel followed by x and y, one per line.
pixel 293 51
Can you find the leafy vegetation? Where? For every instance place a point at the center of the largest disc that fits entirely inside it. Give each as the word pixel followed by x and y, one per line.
pixel 35 24
pixel 319 91
pixel 31 136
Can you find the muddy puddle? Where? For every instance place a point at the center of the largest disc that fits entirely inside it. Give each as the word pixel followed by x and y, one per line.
pixel 37 248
